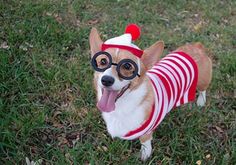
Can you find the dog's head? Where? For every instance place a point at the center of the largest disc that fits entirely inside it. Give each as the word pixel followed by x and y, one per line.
pixel 117 69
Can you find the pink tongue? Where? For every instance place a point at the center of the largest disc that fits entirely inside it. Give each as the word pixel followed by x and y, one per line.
pixel 107 101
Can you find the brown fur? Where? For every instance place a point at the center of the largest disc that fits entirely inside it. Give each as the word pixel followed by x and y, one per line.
pixel 149 97
pixel 144 138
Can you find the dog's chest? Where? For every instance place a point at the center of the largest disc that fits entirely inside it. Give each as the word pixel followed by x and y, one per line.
pixel 128 114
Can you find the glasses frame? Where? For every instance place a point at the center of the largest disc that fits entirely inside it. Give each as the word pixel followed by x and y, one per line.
pixel 118 65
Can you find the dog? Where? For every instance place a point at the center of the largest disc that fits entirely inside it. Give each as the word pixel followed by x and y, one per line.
pixel 136 88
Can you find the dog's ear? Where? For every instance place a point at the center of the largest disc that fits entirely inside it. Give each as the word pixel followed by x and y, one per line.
pixel 95 41
pixel 152 54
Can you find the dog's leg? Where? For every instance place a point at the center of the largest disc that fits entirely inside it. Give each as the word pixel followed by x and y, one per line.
pixel 146 148
pixel 201 100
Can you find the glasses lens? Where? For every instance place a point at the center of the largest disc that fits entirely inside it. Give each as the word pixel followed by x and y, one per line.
pixel 101 61
pixel 127 69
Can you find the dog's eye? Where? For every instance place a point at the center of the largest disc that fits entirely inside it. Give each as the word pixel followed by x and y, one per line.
pixel 103 61
pixel 127 66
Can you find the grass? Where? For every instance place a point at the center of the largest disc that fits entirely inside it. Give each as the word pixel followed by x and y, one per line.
pixel 47 105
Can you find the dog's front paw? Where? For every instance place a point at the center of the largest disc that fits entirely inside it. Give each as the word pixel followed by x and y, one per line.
pixel 146 150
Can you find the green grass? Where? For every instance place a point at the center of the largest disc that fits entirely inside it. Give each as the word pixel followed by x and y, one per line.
pixel 47 104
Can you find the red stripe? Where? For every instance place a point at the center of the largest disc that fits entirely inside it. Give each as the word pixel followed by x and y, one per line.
pixel 160 114
pixel 169 79
pixel 185 76
pixel 192 90
pixel 174 75
pixel 164 81
pixel 156 94
pixel 136 52
pixel 189 70
pixel 162 104
pixel 143 126
pixel 178 82
pixel 187 66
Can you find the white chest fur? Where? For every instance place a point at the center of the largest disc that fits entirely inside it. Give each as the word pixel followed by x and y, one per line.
pixel 128 115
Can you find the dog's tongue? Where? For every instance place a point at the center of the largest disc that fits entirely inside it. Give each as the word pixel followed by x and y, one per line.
pixel 107 101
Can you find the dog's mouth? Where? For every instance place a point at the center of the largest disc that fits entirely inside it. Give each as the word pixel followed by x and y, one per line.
pixel 109 98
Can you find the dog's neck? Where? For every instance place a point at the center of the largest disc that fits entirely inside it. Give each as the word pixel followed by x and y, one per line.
pixel 132 109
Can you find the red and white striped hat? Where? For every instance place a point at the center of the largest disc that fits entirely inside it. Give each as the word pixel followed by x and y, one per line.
pixel 132 33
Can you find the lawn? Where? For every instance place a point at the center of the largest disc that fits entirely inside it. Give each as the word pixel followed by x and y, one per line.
pixel 47 104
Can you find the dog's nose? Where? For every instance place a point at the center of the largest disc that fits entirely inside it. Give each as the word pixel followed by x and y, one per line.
pixel 107 81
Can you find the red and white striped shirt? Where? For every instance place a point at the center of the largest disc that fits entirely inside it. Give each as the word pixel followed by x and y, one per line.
pixel 174 80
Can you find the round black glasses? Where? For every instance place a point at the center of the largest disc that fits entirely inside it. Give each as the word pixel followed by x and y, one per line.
pixel 127 69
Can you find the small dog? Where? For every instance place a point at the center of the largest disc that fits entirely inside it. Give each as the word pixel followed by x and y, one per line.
pixel 136 89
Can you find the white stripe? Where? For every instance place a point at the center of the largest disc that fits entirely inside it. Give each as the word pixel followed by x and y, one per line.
pixel 182 79
pixel 174 78
pixel 174 74
pixel 191 78
pixel 117 51
pixel 187 78
pixel 172 70
pixel 163 95
pixel 139 67
pixel 158 103
pixel 171 101
pixel 190 66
